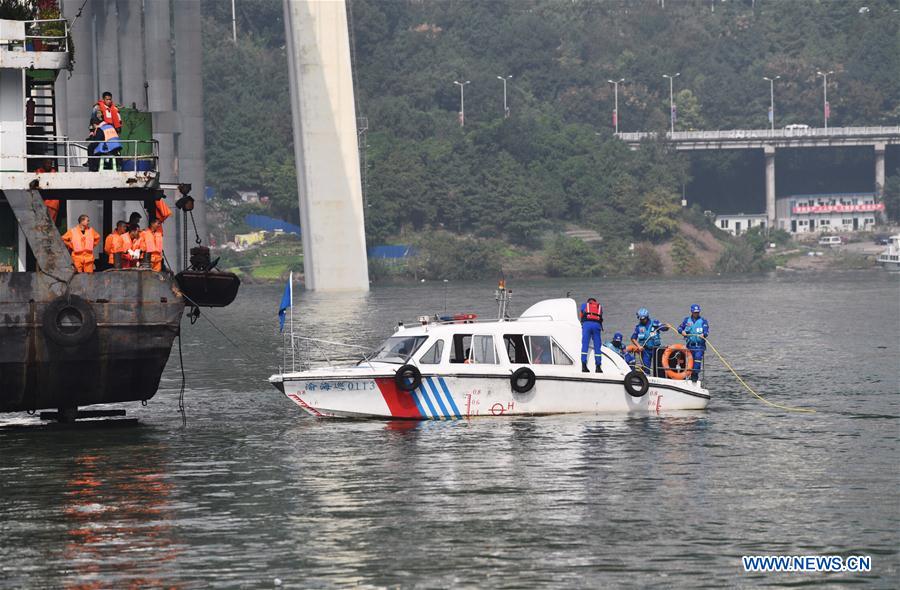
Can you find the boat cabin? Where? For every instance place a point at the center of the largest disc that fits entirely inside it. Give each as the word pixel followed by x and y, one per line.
pixel 546 337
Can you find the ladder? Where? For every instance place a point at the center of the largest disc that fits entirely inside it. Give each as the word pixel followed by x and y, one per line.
pixel 42 93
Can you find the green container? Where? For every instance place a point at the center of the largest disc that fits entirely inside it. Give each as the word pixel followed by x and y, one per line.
pixel 136 125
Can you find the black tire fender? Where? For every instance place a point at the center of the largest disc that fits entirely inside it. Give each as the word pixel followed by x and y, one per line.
pixel 636 384
pixel 408 378
pixel 522 380
pixel 69 321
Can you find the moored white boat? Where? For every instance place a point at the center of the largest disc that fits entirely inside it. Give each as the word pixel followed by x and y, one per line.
pixel 463 368
pixel 890 258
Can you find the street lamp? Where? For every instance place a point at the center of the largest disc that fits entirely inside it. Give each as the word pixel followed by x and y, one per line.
pixel 772 99
pixel 462 102
pixel 505 108
pixel 825 107
pixel 671 99
pixel 615 84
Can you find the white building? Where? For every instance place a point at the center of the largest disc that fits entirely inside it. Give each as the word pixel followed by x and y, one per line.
pixel 837 212
pixel 738 223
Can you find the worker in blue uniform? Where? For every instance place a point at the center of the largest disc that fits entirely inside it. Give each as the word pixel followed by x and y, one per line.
pixel 641 337
pixel 617 344
pixel 591 316
pixel 654 343
pixel 695 330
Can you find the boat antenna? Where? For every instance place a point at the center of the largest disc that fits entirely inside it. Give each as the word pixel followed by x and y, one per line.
pixel 502 297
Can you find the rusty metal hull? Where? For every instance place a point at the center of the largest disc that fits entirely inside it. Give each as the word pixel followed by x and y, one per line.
pixel 114 351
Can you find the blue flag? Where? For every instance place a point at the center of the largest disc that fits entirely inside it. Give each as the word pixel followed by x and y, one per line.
pixel 287 300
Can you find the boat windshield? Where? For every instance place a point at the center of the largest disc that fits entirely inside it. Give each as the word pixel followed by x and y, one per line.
pixel 398 349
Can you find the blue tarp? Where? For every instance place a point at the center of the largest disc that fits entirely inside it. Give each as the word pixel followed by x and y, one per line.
pixel 266 223
pixel 390 252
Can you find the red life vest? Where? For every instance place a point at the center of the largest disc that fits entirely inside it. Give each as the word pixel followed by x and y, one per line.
pixel 593 312
pixel 110 114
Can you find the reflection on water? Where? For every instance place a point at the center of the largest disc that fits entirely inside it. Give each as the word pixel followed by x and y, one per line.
pixel 252 490
pixel 118 517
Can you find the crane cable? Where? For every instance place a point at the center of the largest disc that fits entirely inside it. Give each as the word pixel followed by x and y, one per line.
pixel 745 384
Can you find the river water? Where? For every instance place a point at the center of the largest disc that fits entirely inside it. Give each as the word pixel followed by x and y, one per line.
pixel 253 494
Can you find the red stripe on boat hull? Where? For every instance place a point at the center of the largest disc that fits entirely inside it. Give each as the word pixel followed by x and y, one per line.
pixel 400 403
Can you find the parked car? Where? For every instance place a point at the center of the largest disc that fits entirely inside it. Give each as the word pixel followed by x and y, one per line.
pixel 830 241
pixel 882 239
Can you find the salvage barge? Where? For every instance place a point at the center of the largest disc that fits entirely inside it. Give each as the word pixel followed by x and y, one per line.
pixel 69 339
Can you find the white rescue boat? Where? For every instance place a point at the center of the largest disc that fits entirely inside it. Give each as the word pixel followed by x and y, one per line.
pixel 461 368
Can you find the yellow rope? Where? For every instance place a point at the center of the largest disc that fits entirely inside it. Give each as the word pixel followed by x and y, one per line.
pixel 744 383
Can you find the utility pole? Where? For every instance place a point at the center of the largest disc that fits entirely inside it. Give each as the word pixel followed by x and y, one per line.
pixel 505 107
pixel 672 99
pixel 615 84
pixel 826 108
pixel 462 101
pixel 233 24
pixel 772 99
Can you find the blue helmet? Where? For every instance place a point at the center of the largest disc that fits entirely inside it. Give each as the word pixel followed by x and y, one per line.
pixel 655 323
pixel 617 337
pixel 695 308
pixel 643 313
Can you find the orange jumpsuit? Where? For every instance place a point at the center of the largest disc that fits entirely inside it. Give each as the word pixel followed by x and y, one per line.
pixel 114 244
pixel 152 244
pixel 52 208
pixel 81 244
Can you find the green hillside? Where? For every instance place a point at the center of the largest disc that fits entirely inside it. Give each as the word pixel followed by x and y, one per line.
pixel 554 161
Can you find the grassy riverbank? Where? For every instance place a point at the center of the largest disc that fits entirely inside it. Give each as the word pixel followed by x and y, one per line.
pixel 693 251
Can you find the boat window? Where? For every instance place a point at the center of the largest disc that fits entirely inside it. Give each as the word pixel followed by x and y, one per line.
pixel 515 349
pixel 398 349
pixel 433 355
pixel 462 344
pixel 483 350
pixel 540 350
pixel 559 355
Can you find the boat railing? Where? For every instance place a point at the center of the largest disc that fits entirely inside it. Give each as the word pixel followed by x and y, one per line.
pixel 657 369
pixel 438 321
pixel 50 34
pixel 65 155
pixel 304 351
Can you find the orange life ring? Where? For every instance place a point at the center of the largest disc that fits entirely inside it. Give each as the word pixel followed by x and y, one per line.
pixel 688 362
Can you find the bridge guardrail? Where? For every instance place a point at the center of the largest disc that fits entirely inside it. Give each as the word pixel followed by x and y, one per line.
pixel 751 134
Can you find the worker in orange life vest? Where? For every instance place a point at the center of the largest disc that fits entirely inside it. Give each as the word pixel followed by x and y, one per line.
pixel 106 111
pixel 132 243
pixel 52 204
pixel 81 241
pixel 152 245
pixel 114 245
pixel 591 317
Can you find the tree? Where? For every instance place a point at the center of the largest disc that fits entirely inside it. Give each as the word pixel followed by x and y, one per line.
pixel 646 260
pixel 684 257
pixel 571 257
pixel 892 196
pixel 659 214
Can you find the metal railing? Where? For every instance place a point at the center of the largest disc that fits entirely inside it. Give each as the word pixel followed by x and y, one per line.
pixel 304 351
pixel 73 156
pixel 42 35
pixel 742 134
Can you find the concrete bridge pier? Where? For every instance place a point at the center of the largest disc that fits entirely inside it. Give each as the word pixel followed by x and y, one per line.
pixel 769 151
pixel 879 170
pixel 326 145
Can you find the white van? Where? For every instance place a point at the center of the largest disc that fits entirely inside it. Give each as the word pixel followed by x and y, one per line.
pixel 830 241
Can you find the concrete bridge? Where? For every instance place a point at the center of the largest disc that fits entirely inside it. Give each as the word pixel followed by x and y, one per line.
pixel 770 140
